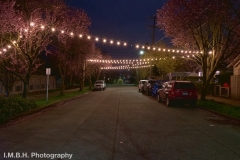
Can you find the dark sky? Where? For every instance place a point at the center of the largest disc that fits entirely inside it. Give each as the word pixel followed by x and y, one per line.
pixel 123 20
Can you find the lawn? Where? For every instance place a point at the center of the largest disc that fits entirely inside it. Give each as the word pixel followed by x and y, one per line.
pixel 58 98
pixel 225 109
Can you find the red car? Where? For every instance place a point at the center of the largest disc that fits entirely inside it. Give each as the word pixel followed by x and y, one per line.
pixel 183 92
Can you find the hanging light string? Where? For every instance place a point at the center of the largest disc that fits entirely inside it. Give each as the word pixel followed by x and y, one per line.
pixel 103 40
pixel 125 67
pixel 135 61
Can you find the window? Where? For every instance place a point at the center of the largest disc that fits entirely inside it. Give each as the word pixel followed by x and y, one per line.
pixel 31 87
pixel 184 86
pixel 18 88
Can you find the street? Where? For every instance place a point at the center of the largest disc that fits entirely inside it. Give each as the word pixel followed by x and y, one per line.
pixel 121 124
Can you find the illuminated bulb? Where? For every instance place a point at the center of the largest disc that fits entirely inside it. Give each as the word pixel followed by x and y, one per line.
pixel 159 49
pixel 148 47
pixel 53 29
pixel 42 27
pixel 14 42
pixel 32 24
pixel 89 37
pixel 96 39
pixel 25 30
pixel 104 40
pixel 143 47
pixel 71 33
pixel 9 46
pixel 137 46
pixel 0 52
pixel 62 31
pixel 164 50
pixel 118 43
pixel 20 36
pixel 111 42
pixel 154 48
pixel 80 35
pixel 125 44
pixel 4 50
pixel 173 57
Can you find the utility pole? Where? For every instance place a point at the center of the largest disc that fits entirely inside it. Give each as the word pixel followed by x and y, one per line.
pixel 153 36
pixel 153 28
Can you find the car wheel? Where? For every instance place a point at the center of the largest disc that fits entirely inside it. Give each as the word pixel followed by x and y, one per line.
pixel 168 102
pixel 159 98
pixel 142 90
pixel 148 92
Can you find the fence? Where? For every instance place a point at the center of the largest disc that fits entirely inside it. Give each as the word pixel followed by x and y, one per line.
pixel 235 87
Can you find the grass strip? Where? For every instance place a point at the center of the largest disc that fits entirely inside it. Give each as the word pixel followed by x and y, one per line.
pixel 222 108
pixel 59 98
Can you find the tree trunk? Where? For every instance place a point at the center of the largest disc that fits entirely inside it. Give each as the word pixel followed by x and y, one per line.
pixel 62 89
pixel 203 93
pixel 81 86
pixel 25 89
pixel 90 82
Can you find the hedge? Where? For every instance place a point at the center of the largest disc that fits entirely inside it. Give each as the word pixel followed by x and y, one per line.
pixel 13 106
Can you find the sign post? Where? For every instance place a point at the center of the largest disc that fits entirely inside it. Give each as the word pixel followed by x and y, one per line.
pixel 48 72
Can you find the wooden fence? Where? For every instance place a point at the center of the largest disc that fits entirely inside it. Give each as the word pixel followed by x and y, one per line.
pixel 235 87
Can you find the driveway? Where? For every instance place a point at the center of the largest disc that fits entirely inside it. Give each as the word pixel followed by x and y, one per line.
pixel 120 124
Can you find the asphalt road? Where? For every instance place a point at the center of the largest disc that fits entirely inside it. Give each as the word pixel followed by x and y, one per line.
pixel 121 124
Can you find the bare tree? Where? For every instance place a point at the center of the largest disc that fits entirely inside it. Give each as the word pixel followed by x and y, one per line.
pixel 209 27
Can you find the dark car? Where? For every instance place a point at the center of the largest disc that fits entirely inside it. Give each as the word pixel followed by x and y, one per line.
pixel 148 86
pixel 156 87
pixel 183 92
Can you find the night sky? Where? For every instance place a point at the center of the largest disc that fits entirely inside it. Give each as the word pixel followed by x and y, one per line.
pixel 125 20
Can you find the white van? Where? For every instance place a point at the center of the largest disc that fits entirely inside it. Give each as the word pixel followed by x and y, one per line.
pixel 140 85
pixel 100 85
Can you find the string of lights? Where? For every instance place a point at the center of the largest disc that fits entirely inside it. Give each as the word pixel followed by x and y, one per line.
pixel 103 40
pixel 133 61
pixel 125 67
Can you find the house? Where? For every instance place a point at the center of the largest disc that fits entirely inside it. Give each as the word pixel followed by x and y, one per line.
pixel 235 79
pixel 37 83
pixel 180 75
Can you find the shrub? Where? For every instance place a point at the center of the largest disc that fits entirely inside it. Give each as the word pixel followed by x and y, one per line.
pixel 120 81
pixel 14 106
pixel 115 81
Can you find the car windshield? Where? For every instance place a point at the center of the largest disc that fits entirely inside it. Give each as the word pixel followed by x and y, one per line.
pixel 99 82
pixel 184 85
pixel 151 81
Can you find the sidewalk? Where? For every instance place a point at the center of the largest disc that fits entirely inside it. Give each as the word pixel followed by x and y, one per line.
pixel 223 100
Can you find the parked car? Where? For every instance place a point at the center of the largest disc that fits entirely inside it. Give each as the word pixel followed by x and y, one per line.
pixel 148 86
pixel 140 84
pixel 156 87
pixel 183 92
pixel 99 85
